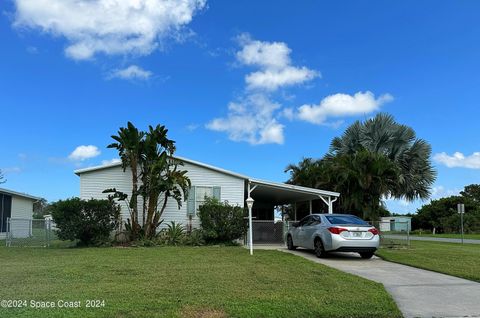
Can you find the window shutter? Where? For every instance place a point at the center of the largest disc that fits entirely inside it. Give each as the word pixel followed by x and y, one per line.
pixel 191 201
pixel 217 193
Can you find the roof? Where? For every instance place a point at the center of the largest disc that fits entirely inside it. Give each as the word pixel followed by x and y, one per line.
pixel 265 184
pixel 197 163
pixel 19 194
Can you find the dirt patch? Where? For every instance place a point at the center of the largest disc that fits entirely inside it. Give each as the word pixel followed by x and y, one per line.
pixel 201 312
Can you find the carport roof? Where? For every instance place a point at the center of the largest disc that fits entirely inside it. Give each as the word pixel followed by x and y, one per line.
pixel 19 194
pixel 281 193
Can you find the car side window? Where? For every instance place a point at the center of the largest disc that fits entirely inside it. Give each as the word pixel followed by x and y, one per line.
pixel 304 221
pixel 316 220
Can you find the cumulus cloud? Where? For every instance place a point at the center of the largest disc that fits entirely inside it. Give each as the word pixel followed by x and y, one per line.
pixel 274 63
pixel 83 152
pixel 251 120
pixel 107 26
pixel 458 159
pixel 339 105
pixel 133 72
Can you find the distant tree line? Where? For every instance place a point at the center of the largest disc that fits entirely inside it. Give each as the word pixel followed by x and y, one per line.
pixel 442 214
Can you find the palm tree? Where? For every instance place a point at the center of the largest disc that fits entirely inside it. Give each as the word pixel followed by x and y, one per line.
pixel 305 173
pixel 362 178
pixel 129 145
pixel 383 135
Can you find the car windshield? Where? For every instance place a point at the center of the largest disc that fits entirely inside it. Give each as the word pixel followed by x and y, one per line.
pixel 345 219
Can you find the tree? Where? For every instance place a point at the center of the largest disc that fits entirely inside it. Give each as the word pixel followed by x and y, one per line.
pixel 150 158
pixel 129 146
pixel 383 135
pixel 472 192
pixel 395 164
pixel 363 179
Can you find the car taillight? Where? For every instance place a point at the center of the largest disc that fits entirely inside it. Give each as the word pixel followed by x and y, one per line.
pixel 336 230
pixel 374 231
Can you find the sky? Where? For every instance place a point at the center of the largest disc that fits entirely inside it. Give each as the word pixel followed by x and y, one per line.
pixel 248 86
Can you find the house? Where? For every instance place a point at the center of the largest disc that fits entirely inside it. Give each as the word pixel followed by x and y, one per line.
pixel 395 224
pixel 19 206
pixel 206 180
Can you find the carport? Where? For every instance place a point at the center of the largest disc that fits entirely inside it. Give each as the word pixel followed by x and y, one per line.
pixel 269 194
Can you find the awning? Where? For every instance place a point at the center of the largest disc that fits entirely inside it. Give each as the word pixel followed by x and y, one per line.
pixel 282 193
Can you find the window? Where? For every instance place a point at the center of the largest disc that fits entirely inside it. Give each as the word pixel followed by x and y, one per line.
pixel 200 194
pixel 305 221
pixel 345 219
pixel 196 197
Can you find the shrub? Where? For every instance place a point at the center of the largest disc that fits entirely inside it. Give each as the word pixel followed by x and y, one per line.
pixel 221 222
pixel 90 222
pixel 174 234
pixel 194 238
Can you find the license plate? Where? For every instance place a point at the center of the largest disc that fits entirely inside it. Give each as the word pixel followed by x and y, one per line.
pixel 357 234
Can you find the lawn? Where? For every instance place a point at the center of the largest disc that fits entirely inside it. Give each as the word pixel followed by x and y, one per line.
pixel 457 236
pixel 462 260
pixel 185 282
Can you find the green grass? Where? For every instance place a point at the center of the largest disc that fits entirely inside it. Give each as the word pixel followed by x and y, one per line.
pixel 185 282
pixel 462 260
pixel 457 236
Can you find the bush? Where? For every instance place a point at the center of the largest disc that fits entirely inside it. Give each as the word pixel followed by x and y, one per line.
pixel 90 222
pixel 174 234
pixel 221 222
pixel 194 238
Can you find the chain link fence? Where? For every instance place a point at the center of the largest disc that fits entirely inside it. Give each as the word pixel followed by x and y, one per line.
pixel 393 234
pixel 29 232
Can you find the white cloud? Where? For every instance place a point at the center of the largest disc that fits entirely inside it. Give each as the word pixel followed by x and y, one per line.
pixel 458 159
pixel 83 152
pixel 108 26
pixel 111 161
pixel 131 73
pixel 339 105
pixel 273 60
pixel 251 120
pixel 9 170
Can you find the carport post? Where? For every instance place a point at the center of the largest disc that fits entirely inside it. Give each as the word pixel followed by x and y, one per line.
pixel 310 206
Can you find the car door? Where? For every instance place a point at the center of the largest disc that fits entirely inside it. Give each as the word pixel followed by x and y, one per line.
pixel 301 240
pixel 309 230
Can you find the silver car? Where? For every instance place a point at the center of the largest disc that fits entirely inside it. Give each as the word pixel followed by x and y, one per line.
pixel 334 232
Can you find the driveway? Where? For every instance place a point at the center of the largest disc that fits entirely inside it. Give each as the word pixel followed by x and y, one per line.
pixel 435 239
pixel 417 292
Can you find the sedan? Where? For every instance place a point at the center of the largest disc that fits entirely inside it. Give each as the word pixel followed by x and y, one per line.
pixel 325 233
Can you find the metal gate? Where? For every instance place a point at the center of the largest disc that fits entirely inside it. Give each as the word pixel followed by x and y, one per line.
pixel 29 232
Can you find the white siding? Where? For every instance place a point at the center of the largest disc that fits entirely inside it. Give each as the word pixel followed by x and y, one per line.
pixel 22 208
pixel 94 182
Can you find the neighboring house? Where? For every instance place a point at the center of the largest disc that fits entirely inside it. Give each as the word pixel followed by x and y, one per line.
pixel 395 223
pixel 206 180
pixel 15 205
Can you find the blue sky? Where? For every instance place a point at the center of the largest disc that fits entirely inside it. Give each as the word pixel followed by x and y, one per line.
pixel 249 86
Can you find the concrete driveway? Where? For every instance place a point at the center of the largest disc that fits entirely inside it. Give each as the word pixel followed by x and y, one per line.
pixel 417 292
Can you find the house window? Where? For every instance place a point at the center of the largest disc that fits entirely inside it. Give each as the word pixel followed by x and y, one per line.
pixel 200 194
pixel 197 195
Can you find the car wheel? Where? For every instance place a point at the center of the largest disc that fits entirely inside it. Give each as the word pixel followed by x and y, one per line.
pixel 319 249
pixel 366 255
pixel 290 245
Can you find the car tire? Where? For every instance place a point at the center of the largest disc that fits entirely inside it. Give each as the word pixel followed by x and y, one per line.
pixel 319 249
pixel 366 255
pixel 290 245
